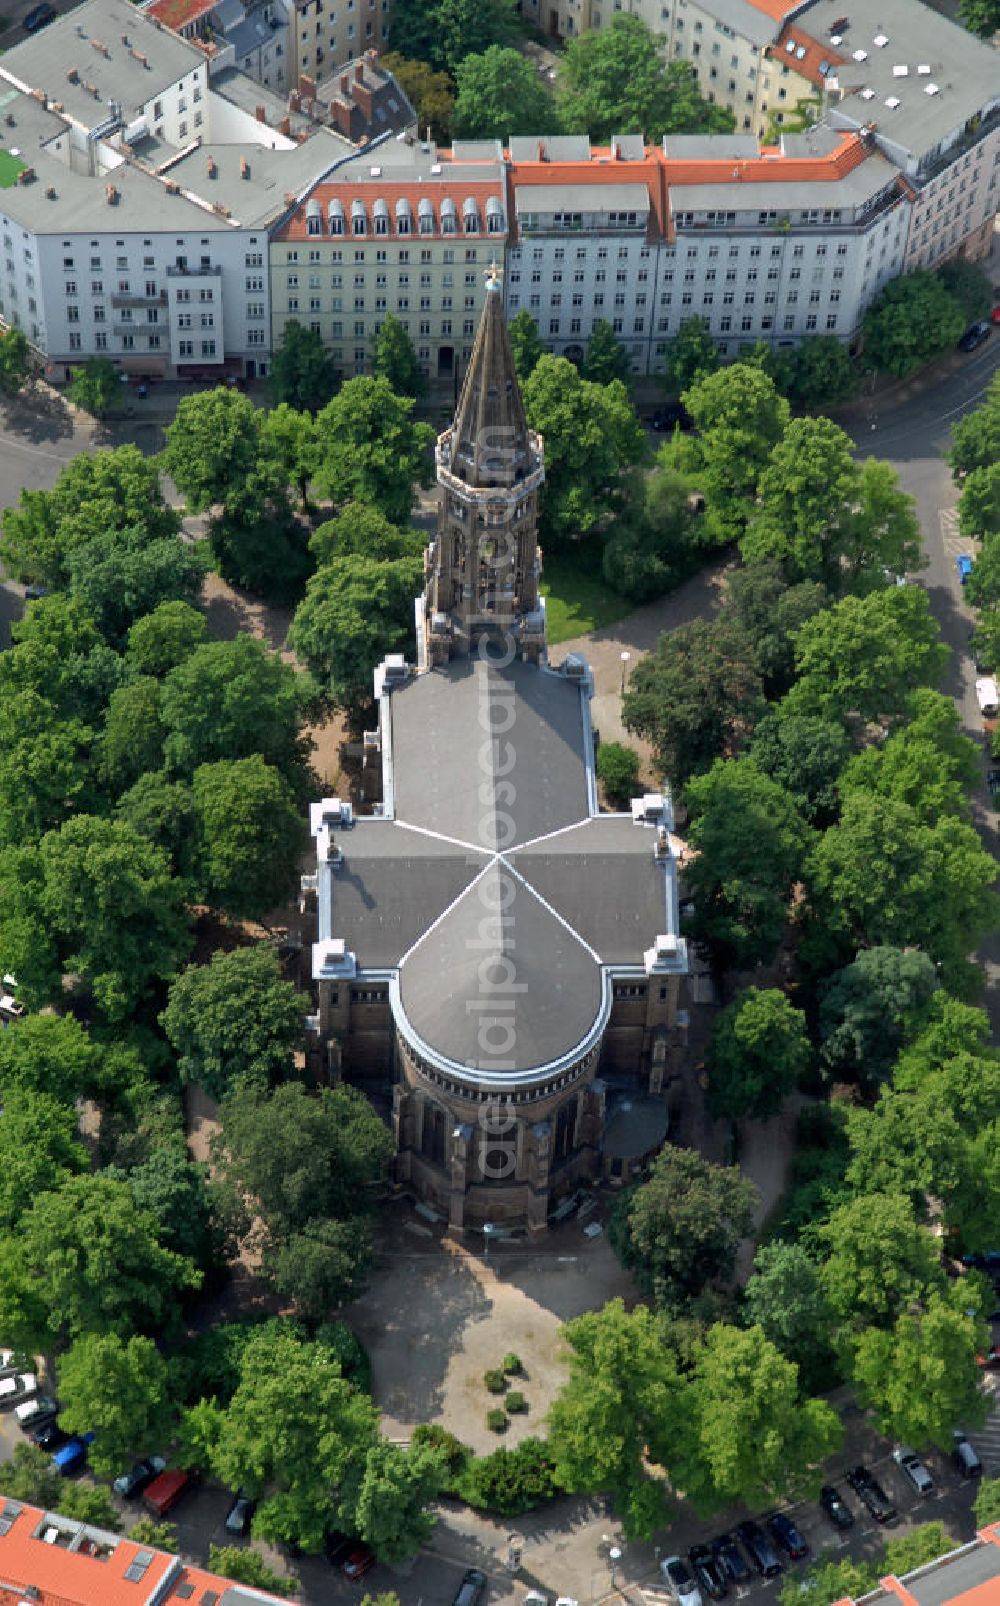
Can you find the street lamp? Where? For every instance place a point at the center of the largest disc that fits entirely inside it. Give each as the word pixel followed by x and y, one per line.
pixel 488 1230
pixel 514 1549
pixel 614 1557
pixel 625 662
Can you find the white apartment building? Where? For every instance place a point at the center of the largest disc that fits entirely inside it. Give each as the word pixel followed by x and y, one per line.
pixel 137 227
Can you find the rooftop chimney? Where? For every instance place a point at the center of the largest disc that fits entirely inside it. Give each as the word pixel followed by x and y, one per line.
pixel 244 167
pixel 294 100
pixel 212 169
pixel 345 83
pixel 73 74
pixel 285 127
pixel 359 72
pixel 111 195
pixel 260 114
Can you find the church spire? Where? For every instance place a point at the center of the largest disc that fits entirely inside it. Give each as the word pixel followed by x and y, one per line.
pixel 484 565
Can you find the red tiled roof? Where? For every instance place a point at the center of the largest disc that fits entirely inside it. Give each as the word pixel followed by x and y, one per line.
pixel 777 10
pixel 806 66
pixel 370 190
pixel 179 13
pixel 63 1577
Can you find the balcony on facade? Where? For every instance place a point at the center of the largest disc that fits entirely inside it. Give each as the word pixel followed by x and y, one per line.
pixel 175 271
pixel 976 129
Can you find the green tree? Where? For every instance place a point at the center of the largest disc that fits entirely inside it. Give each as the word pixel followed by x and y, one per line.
pixel 163 638
pixel 362 531
pixel 500 93
pixel 913 320
pixel 395 357
pixel 690 356
pixel 310 1163
pixel 740 417
pixel 979 504
pixel 370 450
pixel 32 1478
pixel 212 445
pixel 805 755
pixel 785 1298
pixel 758 1054
pixel 695 697
pixel 234 1020
pixel 751 1437
pixel 906 1552
pixel 823 374
pixel 15 361
pixel 624 1394
pixel 445 32
pixel 751 844
pixel 96 386
pixel 293 1431
pixel 257 541
pixel 121 575
pixel 302 372
pixel 157 1535
pixel 175 1190
pixel 606 358
pixel 59 656
pixel 49 1055
pixel 247 1566
pixel 982 588
pixel 46 768
pixel 131 743
pixel 883 877
pixel 118 1389
pixel 986 1505
pixel 430 93
pixel 768 613
pixel 618 772
pixel 289 437
pixel 965 281
pixel 232 700
pixel 389 1506
pixel 114 908
pixel 252 836
pixel 56 1283
pixel 592 436
pixel 866 655
pixel 879 1261
pixel 975 439
pixel 680 1229
pixel 657 541
pixel 921 1376
pixel 868 1009
pixel 163 811
pixel 525 343
pixel 111 490
pixel 616 82
pixel 355 611
pixel 38 1149
pixel 980 16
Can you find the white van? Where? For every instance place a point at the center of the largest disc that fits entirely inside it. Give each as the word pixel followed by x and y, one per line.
pixel 986 696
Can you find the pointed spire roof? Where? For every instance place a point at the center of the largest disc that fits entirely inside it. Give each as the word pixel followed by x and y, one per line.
pixel 490 444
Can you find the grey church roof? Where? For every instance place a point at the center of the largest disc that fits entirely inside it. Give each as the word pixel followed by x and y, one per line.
pixel 570 897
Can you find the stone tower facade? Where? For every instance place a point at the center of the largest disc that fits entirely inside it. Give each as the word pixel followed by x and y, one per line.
pixel 482 569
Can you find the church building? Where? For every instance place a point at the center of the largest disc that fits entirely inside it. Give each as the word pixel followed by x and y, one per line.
pixel 497 963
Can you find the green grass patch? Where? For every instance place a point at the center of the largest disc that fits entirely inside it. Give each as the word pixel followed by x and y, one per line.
pixel 10 166
pixel 577 598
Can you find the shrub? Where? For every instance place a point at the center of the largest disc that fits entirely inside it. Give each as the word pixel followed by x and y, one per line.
pixel 618 771
pixel 512 1363
pixel 495 1380
pixel 496 1420
pixel 161 1535
pixel 509 1482
pixel 350 1352
pixel 515 1403
pixel 456 1454
pixel 248 1567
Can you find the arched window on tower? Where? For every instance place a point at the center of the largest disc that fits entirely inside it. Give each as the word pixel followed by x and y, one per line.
pixel 432 1134
pixel 562 1142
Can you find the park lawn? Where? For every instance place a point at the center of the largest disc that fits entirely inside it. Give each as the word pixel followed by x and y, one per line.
pixel 10 166
pixel 577 598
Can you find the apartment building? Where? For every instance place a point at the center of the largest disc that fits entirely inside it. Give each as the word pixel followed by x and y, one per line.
pixel 403 229
pixel 323 34
pixel 252 37
pixel 137 224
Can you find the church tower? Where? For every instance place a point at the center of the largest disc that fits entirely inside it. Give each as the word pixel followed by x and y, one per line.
pixel 482 569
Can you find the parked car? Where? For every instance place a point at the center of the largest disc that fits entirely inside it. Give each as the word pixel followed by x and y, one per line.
pixel 785 1534
pixel 871 1494
pixel 131 1484
pixel 710 1574
pixel 470 1590
pixel 360 1561
pixel 166 1489
pixel 987 1260
pixel 337 1547
pixel 965 1456
pixel 913 1469
pixel 987 695
pixel 669 416
pixel 17 1386
pixel 240 1514
pixel 34 592
pixel 48 1435
pixel 38 17
pixel 963 563
pixel 31 1412
pixel 72 1457
pixel 731 1558
pixel 759 1548
pixel 836 1507
pixel 975 335
pixel 680 1584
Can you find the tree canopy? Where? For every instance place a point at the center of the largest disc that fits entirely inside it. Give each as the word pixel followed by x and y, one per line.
pixel 119 1389
pixel 302 372
pixel 395 358
pixel 234 1021
pixel 615 81
pixel 369 449
pixel 759 1052
pixel 500 93
pixel 355 611
pixel 912 320
pixel 592 436
pixel 212 445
